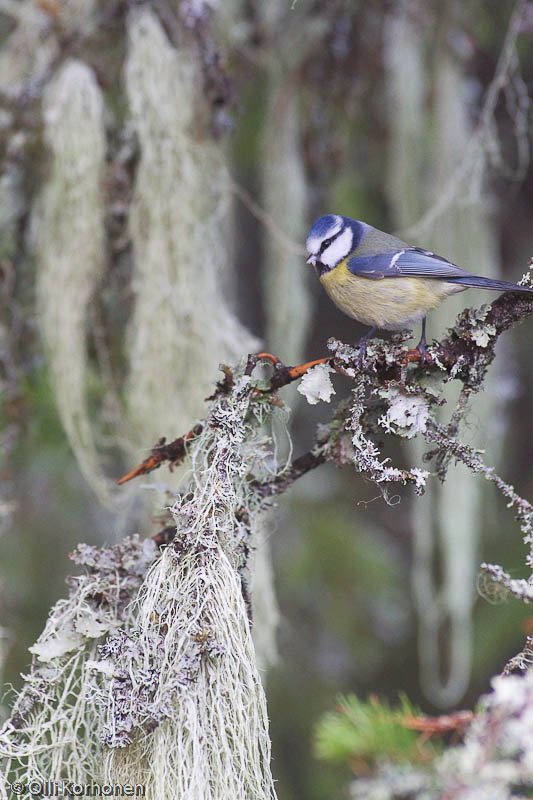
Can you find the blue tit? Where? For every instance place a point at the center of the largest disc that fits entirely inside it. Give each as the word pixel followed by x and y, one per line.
pixel 383 282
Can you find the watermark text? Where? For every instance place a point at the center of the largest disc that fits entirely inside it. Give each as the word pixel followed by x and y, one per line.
pixel 66 788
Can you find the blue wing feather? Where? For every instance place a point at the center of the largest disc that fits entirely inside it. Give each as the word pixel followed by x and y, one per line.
pixel 409 263
pixel 413 262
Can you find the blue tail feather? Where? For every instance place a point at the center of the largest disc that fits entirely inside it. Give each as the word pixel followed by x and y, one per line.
pixel 489 283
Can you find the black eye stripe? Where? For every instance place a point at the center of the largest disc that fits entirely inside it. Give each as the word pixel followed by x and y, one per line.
pixel 325 243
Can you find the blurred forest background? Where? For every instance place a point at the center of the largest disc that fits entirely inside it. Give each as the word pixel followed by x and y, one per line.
pixel 160 164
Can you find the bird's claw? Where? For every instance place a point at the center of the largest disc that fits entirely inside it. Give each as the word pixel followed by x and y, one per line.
pixel 363 342
pixel 425 358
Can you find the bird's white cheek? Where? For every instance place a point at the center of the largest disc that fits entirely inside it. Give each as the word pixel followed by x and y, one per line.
pixel 338 249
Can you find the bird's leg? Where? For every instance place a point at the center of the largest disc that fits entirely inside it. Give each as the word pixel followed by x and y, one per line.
pixel 362 343
pixel 422 344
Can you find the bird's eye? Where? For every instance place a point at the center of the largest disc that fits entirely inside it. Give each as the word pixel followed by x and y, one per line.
pixel 325 244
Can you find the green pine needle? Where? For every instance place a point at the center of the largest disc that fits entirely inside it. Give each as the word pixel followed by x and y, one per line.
pixel 369 731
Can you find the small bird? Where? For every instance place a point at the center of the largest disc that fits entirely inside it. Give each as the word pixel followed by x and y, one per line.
pixel 383 282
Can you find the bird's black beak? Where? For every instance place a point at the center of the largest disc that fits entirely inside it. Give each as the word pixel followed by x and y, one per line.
pixel 311 260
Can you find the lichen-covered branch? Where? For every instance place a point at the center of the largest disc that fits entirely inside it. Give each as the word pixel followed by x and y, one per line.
pixel 178 658
pixel 388 395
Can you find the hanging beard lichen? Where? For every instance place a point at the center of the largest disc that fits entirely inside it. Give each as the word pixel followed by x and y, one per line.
pixel 68 227
pixel 182 326
pixel 162 676
pixel 186 711
pixel 53 729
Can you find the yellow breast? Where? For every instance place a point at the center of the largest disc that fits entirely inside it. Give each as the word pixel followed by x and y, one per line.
pixel 389 303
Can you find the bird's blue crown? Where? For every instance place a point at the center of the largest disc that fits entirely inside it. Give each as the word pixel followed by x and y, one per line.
pixel 331 227
pixel 326 223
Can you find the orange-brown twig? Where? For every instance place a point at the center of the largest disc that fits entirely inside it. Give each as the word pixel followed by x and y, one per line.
pixel 147 466
pixel 225 385
pixel 437 726
pixel 284 375
pixel 174 453
pixel 269 357
pixel 301 369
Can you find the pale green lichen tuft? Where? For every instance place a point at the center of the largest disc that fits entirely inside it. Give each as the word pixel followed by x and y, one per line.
pixel 406 415
pixel 316 384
